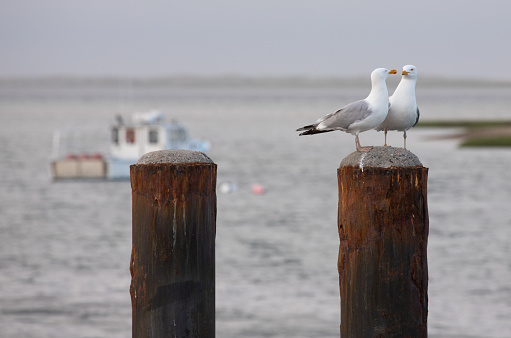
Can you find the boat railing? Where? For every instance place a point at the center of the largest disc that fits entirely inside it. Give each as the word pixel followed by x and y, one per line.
pixel 78 142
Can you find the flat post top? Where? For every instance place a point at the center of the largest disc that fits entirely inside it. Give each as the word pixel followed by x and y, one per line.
pixel 174 156
pixel 381 157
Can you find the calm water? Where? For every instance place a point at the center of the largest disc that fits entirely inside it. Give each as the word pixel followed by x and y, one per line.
pixel 65 247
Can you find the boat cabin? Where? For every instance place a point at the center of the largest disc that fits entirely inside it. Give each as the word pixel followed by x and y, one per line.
pixel 146 134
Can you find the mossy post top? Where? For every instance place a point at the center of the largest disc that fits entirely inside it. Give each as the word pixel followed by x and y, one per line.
pixel 174 156
pixel 381 157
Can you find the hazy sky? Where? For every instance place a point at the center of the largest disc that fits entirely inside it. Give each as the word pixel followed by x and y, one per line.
pixel 452 38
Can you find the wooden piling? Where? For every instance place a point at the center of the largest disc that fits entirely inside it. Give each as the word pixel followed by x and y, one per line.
pixel 173 256
pixel 383 230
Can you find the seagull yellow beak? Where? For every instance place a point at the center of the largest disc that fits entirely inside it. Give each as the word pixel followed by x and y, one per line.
pixel 404 72
pixel 393 71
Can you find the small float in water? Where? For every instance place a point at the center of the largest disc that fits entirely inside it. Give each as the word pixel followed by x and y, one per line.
pixel 145 132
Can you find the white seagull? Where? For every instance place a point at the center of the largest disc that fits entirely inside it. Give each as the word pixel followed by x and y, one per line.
pixel 360 115
pixel 403 110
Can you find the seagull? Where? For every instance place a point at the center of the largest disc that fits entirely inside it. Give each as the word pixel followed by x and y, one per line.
pixel 360 115
pixel 403 110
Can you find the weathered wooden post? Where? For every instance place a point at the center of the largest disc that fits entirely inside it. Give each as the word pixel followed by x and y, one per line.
pixel 173 256
pixel 383 229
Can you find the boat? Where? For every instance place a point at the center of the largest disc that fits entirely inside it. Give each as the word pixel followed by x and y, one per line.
pixel 146 132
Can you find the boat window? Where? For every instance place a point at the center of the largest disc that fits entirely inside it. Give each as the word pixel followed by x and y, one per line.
pixel 130 135
pixel 153 136
pixel 177 135
pixel 115 135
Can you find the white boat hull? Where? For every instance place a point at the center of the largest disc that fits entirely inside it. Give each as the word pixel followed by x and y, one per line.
pixel 118 169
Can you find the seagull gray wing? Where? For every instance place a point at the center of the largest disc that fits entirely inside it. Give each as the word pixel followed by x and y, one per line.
pixel 346 116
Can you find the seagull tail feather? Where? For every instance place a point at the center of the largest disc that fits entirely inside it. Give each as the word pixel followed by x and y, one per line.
pixel 310 126
pixel 313 131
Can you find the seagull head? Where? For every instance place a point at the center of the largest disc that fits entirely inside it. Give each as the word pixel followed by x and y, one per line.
pixel 381 73
pixel 409 71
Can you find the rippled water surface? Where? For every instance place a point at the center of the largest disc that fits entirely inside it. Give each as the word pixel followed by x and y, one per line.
pixel 65 246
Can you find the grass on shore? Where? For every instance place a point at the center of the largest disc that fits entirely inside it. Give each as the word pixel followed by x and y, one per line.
pixel 489 141
pixel 464 124
pixel 492 135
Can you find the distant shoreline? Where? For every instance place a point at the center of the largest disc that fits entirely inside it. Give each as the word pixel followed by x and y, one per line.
pixel 233 81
